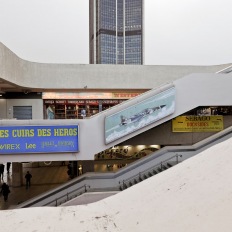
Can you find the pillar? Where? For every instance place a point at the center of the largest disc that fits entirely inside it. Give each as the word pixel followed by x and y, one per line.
pixel 17 175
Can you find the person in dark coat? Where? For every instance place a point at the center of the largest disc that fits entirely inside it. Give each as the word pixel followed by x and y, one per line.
pixel 5 191
pixel 2 166
pixel 28 177
pixel 8 164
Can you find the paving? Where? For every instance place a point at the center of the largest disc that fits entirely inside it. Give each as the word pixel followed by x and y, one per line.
pixel 43 179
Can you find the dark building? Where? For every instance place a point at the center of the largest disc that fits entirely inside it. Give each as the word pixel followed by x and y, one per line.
pixel 116 31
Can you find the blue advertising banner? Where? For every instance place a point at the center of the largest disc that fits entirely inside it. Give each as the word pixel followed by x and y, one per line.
pixel 38 139
pixel 139 115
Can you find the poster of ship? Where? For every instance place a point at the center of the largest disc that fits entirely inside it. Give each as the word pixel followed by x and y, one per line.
pixel 139 115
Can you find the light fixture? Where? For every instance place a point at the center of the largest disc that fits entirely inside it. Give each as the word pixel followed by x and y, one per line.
pixel 48 163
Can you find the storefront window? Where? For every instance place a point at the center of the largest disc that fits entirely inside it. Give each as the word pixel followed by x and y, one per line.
pixel 76 109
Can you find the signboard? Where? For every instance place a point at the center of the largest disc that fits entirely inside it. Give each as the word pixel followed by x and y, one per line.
pixel 89 95
pixel 139 115
pixel 38 139
pixel 198 123
pixel 125 95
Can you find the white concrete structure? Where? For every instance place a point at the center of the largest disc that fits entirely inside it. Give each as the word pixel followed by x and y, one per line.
pixel 21 75
pixel 192 90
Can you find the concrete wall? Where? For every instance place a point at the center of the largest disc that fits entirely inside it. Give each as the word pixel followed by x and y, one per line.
pixel 69 77
pixel 163 135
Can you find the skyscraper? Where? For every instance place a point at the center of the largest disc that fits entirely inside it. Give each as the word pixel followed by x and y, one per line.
pixel 116 31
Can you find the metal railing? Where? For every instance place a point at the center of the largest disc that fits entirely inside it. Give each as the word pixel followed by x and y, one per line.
pixel 226 70
pixel 128 182
pixel 68 196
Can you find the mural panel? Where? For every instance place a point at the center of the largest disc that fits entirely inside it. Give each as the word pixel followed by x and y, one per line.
pixel 139 115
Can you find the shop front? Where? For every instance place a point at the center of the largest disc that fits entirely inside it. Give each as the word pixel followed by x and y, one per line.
pixel 80 105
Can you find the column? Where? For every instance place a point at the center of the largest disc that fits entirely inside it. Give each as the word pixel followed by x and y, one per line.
pixel 17 175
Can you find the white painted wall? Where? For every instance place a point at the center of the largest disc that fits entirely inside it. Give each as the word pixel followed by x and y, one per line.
pixel 74 77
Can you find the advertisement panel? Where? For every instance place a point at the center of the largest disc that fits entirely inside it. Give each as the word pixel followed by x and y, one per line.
pixel 90 95
pixel 198 123
pixel 38 139
pixel 139 115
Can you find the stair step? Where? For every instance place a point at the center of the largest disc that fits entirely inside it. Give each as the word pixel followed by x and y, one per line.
pixel 155 172
pixel 169 165
pixel 164 167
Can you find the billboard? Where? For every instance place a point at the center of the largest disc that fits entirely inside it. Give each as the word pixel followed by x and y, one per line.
pixel 198 123
pixel 38 139
pixel 139 115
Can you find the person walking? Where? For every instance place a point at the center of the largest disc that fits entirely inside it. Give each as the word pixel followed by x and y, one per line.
pixel 28 177
pixel 5 191
pixel 8 164
pixel 2 166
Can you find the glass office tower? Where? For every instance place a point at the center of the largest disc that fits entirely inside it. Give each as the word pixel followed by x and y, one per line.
pixel 116 31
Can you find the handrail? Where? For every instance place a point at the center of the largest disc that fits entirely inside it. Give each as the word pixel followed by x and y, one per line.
pixel 157 90
pixel 225 70
pixel 67 195
pixel 51 193
pixel 162 162
pixel 147 170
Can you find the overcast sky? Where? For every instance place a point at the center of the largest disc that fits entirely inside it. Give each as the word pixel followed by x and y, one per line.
pixel 178 32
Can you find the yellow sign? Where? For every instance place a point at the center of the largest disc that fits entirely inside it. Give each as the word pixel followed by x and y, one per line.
pixel 197 124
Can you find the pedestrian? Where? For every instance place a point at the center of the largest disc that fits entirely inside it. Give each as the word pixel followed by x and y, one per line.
pixel 28 177
pixel 83 113
pixel 80 170
pixel 2 166
pixel 8 164
pixel 5 191
pixel 50 113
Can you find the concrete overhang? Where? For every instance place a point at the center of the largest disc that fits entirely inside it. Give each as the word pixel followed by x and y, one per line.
pixel 18 75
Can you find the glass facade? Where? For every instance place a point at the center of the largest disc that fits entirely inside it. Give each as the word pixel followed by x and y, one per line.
pixel 116 31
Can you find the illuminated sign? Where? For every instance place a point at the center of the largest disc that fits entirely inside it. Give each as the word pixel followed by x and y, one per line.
pixel 197 123
pixel 87 95
pixel 38 139
pixel 125 95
